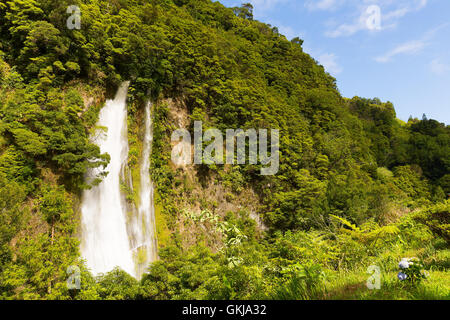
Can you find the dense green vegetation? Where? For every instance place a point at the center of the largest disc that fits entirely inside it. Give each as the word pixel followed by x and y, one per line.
pixel 356 185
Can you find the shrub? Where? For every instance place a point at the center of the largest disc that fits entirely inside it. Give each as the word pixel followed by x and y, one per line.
pixel 411 270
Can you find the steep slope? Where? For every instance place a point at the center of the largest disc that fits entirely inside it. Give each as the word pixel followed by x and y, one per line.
pixel 223 231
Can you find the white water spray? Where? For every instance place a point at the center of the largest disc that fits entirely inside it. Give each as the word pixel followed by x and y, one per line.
pixel 115 234
pixel 105 243
pixel 144 225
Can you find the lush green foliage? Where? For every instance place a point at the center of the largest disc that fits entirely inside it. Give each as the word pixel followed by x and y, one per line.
pixel 350 172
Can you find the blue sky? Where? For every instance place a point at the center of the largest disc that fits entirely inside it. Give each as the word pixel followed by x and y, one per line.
pixel 402 57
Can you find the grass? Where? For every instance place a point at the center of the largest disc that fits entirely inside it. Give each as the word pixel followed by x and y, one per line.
pixel 433 288
pixel 352 285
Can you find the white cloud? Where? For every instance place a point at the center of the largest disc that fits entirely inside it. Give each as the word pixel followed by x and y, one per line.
pixel 391 13
pixel 329 62
pixel 288 32
pixel 321 4
pixel 348 29
pixel 410 47
pixel 403 9
pixel 422 4
pixel 439 68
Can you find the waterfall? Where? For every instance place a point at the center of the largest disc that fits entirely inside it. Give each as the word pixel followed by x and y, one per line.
pixel 105 242
pixel 144 227
pixel 115 234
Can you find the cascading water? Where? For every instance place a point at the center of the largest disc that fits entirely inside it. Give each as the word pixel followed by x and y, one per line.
pixel 111 235
pixel 144 225
pixel 105 242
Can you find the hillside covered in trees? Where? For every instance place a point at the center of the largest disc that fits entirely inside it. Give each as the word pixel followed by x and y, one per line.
pixel 356 186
